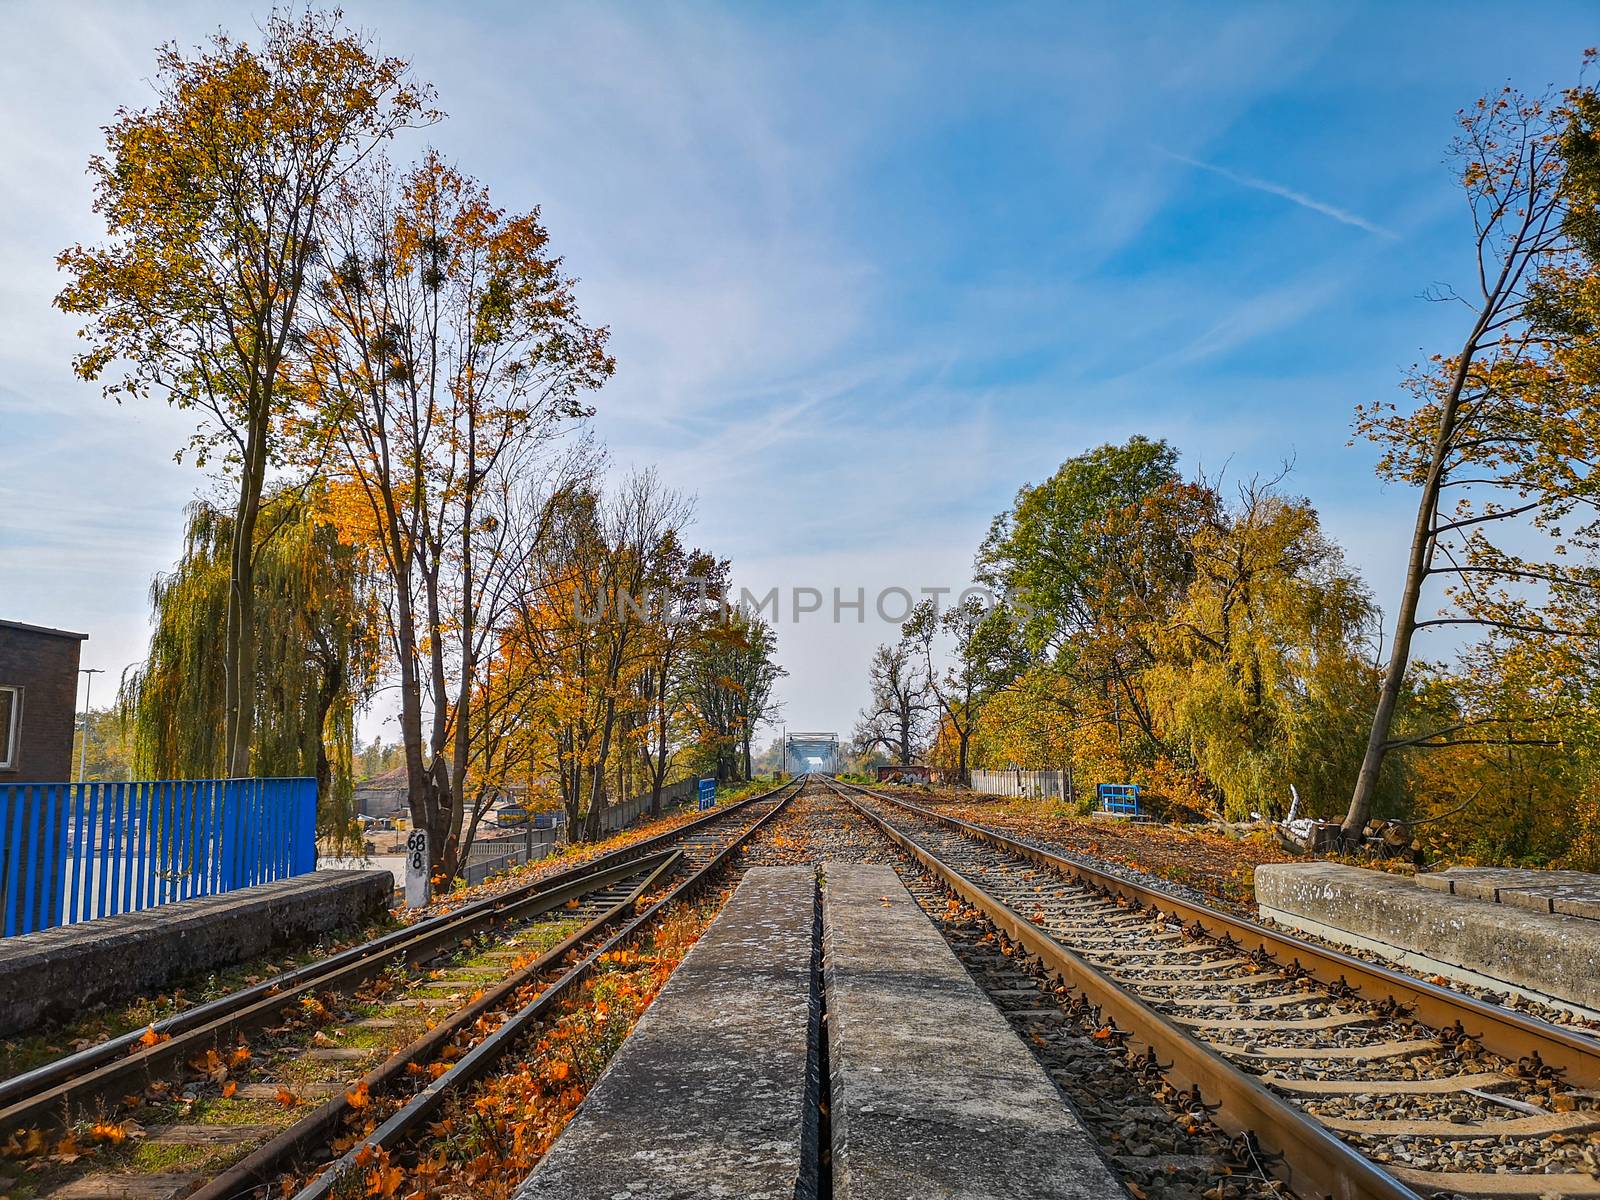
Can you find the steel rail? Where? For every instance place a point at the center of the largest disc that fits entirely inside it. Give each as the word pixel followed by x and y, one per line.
pixel 1511 1035
pixel 478 1061
pixel 39 1096
pixel 1317 1161
pixel 264 1163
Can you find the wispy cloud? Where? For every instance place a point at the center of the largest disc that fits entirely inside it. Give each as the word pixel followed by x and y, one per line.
pixel 1343 215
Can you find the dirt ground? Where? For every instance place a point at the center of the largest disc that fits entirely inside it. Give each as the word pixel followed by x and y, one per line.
pixel 1197 857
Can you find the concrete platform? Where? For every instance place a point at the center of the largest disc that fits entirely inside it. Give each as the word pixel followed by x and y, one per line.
pixel 59 972
pixel 1516 947
pixel 1571 893
pixel 933 1095
pixel 711 1095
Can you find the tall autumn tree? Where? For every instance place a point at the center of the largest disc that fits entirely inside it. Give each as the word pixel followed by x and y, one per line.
pixel 731 676
pixel 685 586
pixel 584 628
pixel 754 674
pixel 449 361
pixel 212 197
pixel 1503 434
pixel 1262 672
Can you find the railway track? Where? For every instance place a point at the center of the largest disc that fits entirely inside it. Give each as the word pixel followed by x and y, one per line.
pixel 411 1121
pixel 454 991
pixel 1349 1079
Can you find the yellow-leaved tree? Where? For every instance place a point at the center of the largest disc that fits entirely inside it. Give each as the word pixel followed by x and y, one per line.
pixel 213 197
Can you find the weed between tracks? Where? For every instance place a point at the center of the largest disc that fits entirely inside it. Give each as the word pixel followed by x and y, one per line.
pixel 484 1144
pixel 116 1139
pixel 52 1040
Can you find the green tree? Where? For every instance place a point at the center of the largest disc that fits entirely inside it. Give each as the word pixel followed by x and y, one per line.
pixel 1091 565
pixel 317 628
pixel 109 756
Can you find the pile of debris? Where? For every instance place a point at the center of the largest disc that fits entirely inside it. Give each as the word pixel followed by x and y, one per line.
pixel 907 778
pixel 1380 838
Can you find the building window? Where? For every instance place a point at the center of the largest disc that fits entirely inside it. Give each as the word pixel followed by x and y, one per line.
pixel 10 712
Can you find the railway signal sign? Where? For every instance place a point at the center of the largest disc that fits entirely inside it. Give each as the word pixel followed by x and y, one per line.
pixel 417 868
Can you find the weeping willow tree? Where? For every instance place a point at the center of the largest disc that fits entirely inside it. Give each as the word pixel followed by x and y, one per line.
pixel 316 627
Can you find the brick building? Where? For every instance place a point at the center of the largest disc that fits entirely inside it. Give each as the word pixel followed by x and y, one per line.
pixel 38 702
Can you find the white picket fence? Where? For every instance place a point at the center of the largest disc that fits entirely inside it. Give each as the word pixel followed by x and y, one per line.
pixel 1036 785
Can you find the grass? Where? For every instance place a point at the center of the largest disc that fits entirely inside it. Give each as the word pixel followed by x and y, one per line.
pixel 151 1159
pixel 52 1040
pixel 217 1111
pixel 288 1066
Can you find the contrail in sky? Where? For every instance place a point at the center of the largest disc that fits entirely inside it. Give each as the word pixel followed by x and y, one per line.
pixel 1277 189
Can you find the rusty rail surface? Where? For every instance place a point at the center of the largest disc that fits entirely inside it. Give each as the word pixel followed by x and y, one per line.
pixel 415 1114
pixel 50 1096
pixel 1315 1160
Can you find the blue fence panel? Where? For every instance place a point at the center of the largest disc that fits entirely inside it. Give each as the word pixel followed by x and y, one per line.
pixel 75 852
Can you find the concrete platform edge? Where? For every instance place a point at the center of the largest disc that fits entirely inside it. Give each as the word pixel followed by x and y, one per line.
pixel 60 972
pixel 1545 957
pixel 934 1095
pixel 1412 960
pixel 707 1096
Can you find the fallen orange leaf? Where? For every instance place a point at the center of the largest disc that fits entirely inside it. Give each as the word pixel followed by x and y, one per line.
pixel 114 1135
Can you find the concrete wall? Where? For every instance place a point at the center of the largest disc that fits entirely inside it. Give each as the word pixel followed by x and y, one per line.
pixel 382 798
pixel 43 663
pixel 58 973
pixel 625 814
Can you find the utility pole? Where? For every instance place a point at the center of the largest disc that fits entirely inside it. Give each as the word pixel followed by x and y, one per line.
pixel 83 747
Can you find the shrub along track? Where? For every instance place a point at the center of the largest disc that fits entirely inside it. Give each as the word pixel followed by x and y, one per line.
pixel 222 1077
pixel 1356 1080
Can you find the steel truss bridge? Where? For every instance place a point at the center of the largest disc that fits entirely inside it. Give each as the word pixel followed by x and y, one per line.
pixel 811 753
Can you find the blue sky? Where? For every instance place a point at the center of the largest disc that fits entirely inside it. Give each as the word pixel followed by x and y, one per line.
pixel 867 269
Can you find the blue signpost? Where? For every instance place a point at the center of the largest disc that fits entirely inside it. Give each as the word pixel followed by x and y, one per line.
pixel 708 794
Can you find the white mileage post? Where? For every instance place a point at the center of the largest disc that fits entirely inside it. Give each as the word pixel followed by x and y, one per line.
pixel 417 869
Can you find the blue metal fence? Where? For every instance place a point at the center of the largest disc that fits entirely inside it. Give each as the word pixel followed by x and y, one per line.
pixel 76 851
pixel 1119 798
